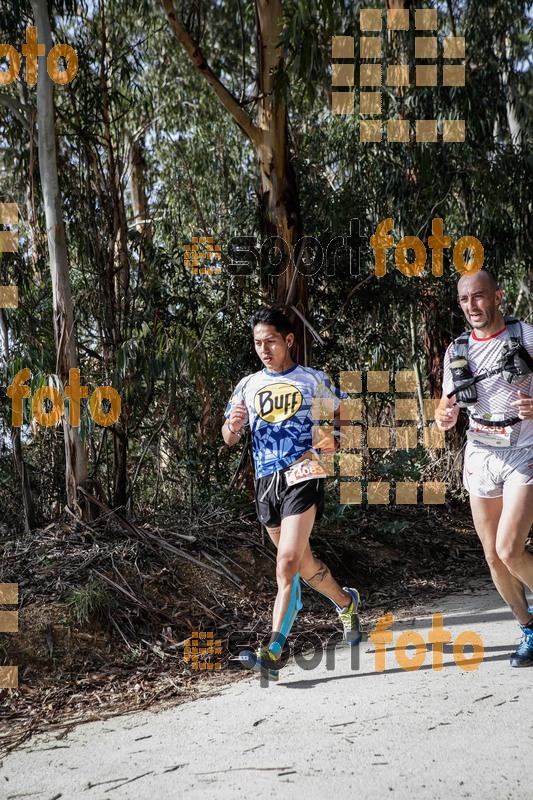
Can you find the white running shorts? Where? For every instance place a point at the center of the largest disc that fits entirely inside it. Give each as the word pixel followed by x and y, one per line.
pixel 487 470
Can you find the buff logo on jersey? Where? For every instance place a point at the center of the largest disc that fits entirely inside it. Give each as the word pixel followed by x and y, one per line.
pixel 277 402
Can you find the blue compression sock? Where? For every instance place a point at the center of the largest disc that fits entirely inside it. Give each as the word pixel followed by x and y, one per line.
pixel 295 605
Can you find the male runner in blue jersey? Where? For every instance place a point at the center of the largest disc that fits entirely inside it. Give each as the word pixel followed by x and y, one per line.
pixel 498 462
pixel 289 492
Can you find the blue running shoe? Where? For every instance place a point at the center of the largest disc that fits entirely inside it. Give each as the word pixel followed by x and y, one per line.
pixel 263 661
pixel 523 656
pixel 350 619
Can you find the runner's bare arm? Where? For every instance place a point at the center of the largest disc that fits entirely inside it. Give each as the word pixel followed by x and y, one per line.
pixel 232 428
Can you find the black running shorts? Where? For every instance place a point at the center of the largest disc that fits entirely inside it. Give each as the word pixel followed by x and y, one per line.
pixel 274 500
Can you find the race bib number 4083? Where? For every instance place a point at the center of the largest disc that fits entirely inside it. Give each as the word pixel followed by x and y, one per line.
pixel 304 471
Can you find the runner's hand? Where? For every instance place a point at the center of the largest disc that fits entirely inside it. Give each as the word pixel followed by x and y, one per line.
pixel 326 445
pixel 238 415
pixel 446 416
pixel 524 405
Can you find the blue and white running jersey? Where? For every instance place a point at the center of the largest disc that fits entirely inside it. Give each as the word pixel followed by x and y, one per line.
pixel 279 407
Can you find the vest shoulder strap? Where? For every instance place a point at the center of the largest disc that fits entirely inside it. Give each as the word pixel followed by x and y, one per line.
pixel 460 345
pixel 514 328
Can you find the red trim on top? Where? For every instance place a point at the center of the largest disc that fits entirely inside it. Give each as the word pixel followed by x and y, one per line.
pixel 486 339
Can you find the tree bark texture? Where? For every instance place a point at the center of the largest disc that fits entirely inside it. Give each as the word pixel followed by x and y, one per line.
pixel 65 335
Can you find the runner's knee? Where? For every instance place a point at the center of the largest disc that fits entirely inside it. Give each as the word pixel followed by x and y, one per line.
pixel 510 554
pixel 495 563
pixel 287 566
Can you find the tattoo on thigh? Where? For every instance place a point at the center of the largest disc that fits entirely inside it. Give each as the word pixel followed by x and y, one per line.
pixel 320 575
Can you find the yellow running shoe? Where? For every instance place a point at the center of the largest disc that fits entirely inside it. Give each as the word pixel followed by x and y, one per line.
pixel 350 619
pixel 263 661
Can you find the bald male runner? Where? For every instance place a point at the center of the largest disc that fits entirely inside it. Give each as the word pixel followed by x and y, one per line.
pixel 498 461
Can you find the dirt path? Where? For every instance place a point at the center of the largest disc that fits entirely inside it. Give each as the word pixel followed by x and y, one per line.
pixel 319 732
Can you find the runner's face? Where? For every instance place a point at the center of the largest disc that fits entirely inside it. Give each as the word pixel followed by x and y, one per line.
pixel 479 302
pixel 272 348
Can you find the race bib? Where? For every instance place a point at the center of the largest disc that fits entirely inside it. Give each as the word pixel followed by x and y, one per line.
pixel 491 436
pixel 304 471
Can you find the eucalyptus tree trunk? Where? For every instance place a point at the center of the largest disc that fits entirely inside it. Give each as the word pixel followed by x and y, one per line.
pixel 141 210
pixel 516 116
pixel 18 459
pixel 269 136
pixel 119 273
pixel 279 190
pixel 65 335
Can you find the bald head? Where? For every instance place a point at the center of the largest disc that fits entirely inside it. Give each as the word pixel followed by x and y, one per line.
pixel 480 298
pixel 484 275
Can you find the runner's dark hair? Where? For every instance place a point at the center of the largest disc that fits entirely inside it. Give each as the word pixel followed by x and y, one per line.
pixel 272 316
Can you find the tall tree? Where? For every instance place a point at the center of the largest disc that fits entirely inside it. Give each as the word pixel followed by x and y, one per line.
pixel 18 458
pixel 268 134
pixel 64 329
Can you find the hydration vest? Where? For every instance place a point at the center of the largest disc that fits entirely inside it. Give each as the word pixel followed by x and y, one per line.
pixel 514 364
